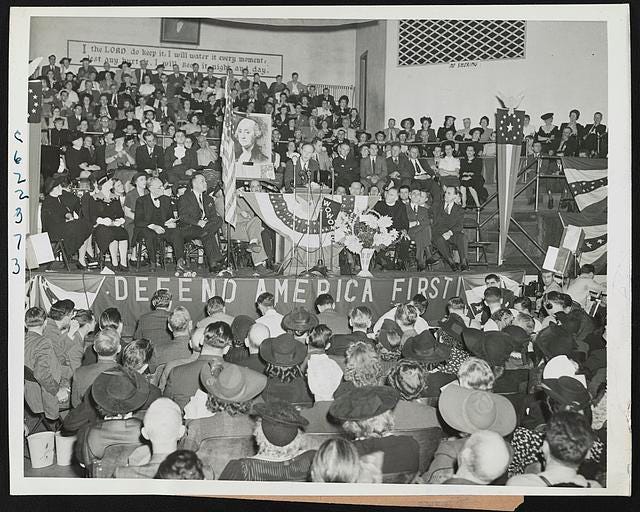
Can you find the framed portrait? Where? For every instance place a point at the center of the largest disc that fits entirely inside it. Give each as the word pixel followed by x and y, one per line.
pixel 180 30
pixel 252 146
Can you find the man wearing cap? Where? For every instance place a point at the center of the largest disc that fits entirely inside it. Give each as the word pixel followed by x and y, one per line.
pixel 117 393
pixel 280 440
pixel 366 413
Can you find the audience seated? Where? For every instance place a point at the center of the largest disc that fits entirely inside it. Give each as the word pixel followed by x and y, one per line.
pixel 153 325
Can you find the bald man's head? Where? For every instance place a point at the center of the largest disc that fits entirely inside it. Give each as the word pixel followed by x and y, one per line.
pixel 484 457
pixel 257 334
pixel 163 422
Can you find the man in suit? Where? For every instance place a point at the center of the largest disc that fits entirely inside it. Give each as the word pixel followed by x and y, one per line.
pixel 179 162
pixel 59 136
pixel 74 120
pixel 106 345
pixel 568 144
pixel 154 221
pixel 424 176
pixel 149 155
pixel 448 228
pixel 326 97
pixel 165 112
pixel 593 134
pixel 321 156
pixel 52 67
pixel 304 169
pixel 373 167
pixel 104 102
pixel 140 72
pixel 248 228
pixel 345 167
pixel 391 132
pixel 360 321
pixel 195 73
pixel 392 206
pixel 183 381
pixel 420 227
pixel 175 81
pixel 198 219
pixel 399 169
pixel 152 325
pixel 263 90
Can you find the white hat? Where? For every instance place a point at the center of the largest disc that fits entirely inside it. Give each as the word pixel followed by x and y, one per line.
pixel 562 366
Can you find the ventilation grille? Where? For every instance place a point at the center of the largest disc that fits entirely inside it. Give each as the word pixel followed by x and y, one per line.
pixel 423 42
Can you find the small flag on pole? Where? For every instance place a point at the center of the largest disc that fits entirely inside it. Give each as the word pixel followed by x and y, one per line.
pixel 34 103
pixel 227 150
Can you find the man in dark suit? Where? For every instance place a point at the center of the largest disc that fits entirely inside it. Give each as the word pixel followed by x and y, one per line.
pixel 179 162
pixel 154 221
pixel 568 143
pixel 59 136
pixel 140 72
pixel 392 206
pixel 195 73
pixel 175 81
pixel 345 167
pixel 593 135
pixel 165 112
pixel 420 227
pixel 399 169
pixel 153 325
pixel 448 228
pixel 51 67
pixel 424 176
pixel 373 167
pixel 317 101
pixel 103 102
pixel 183 381
pixel 149 155
pixel 304 168
pixel 74 120
pixel 198 219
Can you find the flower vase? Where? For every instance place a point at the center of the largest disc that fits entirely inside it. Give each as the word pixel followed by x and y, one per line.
pixel 365 261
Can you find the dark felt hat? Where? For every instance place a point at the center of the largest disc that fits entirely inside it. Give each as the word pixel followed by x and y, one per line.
pixel 53 181
pixel 389 327
pixel 567 391
pixel 380 131
pixel 408 378
pixel 411 121
pixel 554 341
pixel 453 326
pixel 493 346
pixel 85 58
pixel 364 403
pixel 138 175
pixel 425 118
pixel 361 132
pixel 476 129
pixel 470 410
pixel 123 63
pixel 75 136
pixel 240 327
pixel 300 319
pixel 119 390
pixel 102 177
pixel 230 382
pixel 280 421
pixel 283 350
pixel 63 59
pixel 424 347
pixel 519 336
pixel 546 116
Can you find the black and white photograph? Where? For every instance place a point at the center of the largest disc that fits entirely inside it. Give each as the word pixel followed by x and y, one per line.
pixel 306 248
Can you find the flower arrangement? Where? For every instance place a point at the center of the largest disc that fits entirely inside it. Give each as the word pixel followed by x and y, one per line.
pixel 366 230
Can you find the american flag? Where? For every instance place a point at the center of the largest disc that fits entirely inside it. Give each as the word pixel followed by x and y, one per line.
pixel 587 179
pixel 593 221
pixel 228 155
pixel 509 135
pixel 34 103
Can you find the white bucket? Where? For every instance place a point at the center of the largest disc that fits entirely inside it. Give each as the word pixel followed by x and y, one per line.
pixel 64 449
pixel 41 449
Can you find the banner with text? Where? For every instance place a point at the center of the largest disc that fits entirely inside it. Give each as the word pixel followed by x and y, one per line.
pixel 131 294
pixel 268 65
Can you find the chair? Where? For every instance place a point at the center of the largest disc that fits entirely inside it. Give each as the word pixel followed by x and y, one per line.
pixel 194 251
pixel 59 250
pixel 240 257
pixel 481 253
pixel 216 452
pixel 142 248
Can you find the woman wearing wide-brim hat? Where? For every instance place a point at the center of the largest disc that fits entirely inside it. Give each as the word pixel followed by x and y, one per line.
pixel 281 447
pixel 62 222
pixel 366 414
pixel 407 125
pixel 467 411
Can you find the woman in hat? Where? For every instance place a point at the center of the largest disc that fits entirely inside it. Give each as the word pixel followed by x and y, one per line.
pixel 548 132
pixel 116 155
pixel 366 414
pixel 65 66
pixel 425 124
pixel 407 125
pixel 475 134
pixel 104 212
pixel 388 345
pixel 240 328
pixel 62 222
pixel 449 124
pixel 86 69
pixel 562 394
pixel 354 119
pixel 467 411
pixel 284 356
pixel 577 130
pixel 471 179
pixel 223 409
pixel 281 447
pixel 337 460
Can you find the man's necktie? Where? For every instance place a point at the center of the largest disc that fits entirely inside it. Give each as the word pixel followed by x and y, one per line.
pixel 199 197
pixel 415 167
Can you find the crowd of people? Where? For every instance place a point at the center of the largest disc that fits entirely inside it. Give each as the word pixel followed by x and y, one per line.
pixel 513 395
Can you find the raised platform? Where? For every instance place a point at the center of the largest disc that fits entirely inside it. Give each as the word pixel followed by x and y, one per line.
pixel 131 293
